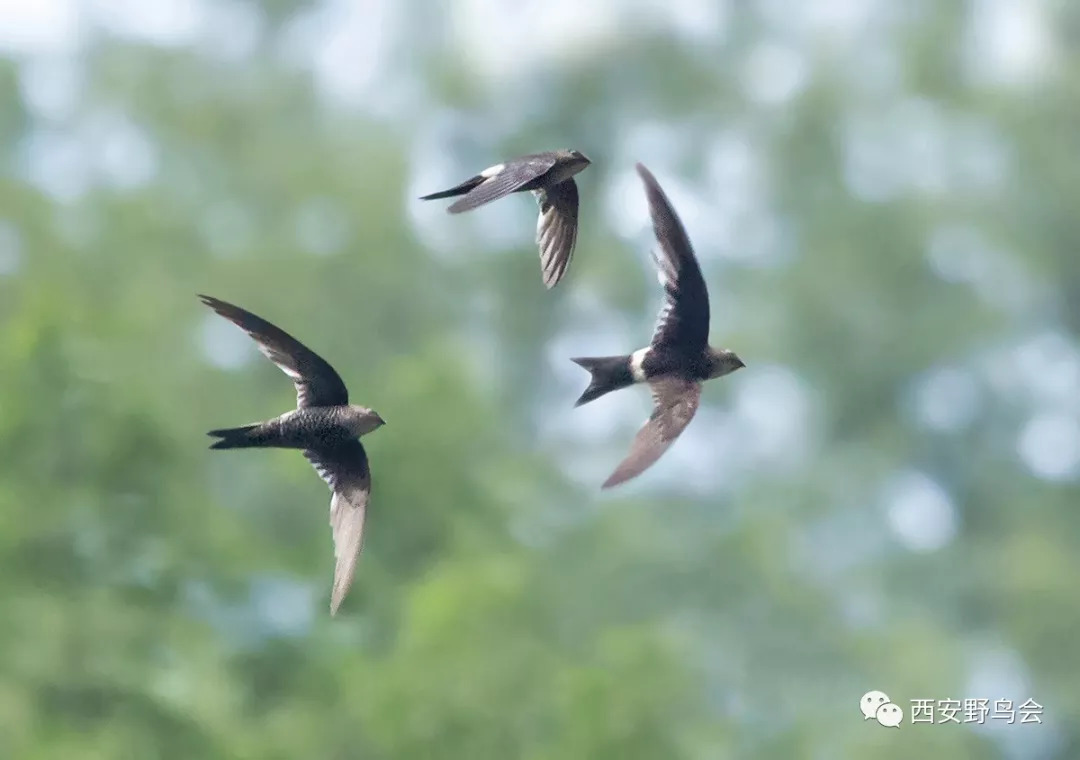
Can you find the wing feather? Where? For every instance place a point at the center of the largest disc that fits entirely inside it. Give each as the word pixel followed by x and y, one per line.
pixel 675 401
pixel 514 176
pixel 345 469
pixel 556 229
pixel 684 319
pixel 317 383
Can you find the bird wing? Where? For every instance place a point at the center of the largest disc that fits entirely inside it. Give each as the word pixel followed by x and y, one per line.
pixel 503 179
pixel 345 469
pixel 684 319
pixel 675 401
pixel 317 384
pixel 556 229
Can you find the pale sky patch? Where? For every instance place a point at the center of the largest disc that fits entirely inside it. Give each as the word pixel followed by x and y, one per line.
pixel 169 23
pixel 501 42
pixel 35 27
pixel 1009 42
pixel 920 512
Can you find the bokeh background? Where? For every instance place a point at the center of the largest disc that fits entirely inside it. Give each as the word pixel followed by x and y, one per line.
pixel 884 197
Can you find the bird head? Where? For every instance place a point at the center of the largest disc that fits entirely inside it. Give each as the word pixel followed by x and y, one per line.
pixel 365 420
pixel 724 362
pixel 576 159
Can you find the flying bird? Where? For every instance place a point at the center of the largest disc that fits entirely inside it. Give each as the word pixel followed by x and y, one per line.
pixel 549 176
pixel 324 425
pixel 678 359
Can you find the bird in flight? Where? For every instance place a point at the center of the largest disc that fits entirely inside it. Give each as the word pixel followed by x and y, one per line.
pixel 678 359
pixel 324 425
pixel 549 176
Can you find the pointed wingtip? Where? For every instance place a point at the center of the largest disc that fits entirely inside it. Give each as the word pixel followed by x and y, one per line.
pixel 339 591
pixel 336 598
pixel 649 180
pixel 615 479
pixel 653 192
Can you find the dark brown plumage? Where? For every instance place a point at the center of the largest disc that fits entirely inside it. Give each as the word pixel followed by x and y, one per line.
pixel 325 426
pixel 549 176
pixel 678 359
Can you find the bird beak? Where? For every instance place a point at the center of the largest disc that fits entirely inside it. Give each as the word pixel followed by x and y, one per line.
pixel 741 363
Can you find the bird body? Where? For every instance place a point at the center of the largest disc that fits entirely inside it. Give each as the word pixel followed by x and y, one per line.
pixel 325 426
pixel 549 177
pixel 300 429
pixel 611 373
pixel 678 359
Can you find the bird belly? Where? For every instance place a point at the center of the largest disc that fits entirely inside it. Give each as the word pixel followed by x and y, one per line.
pixel 660 362
pixel 656 362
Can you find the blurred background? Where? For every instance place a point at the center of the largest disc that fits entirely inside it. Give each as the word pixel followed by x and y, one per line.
pixel 884 199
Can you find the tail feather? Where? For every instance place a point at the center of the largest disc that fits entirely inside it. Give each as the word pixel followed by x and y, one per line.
pixel 456 190
pixel 609 373
pixel 235 438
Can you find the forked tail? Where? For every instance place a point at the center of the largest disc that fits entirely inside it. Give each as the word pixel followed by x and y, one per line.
pixel 609 373
pixel 243 437
pixel 456 190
